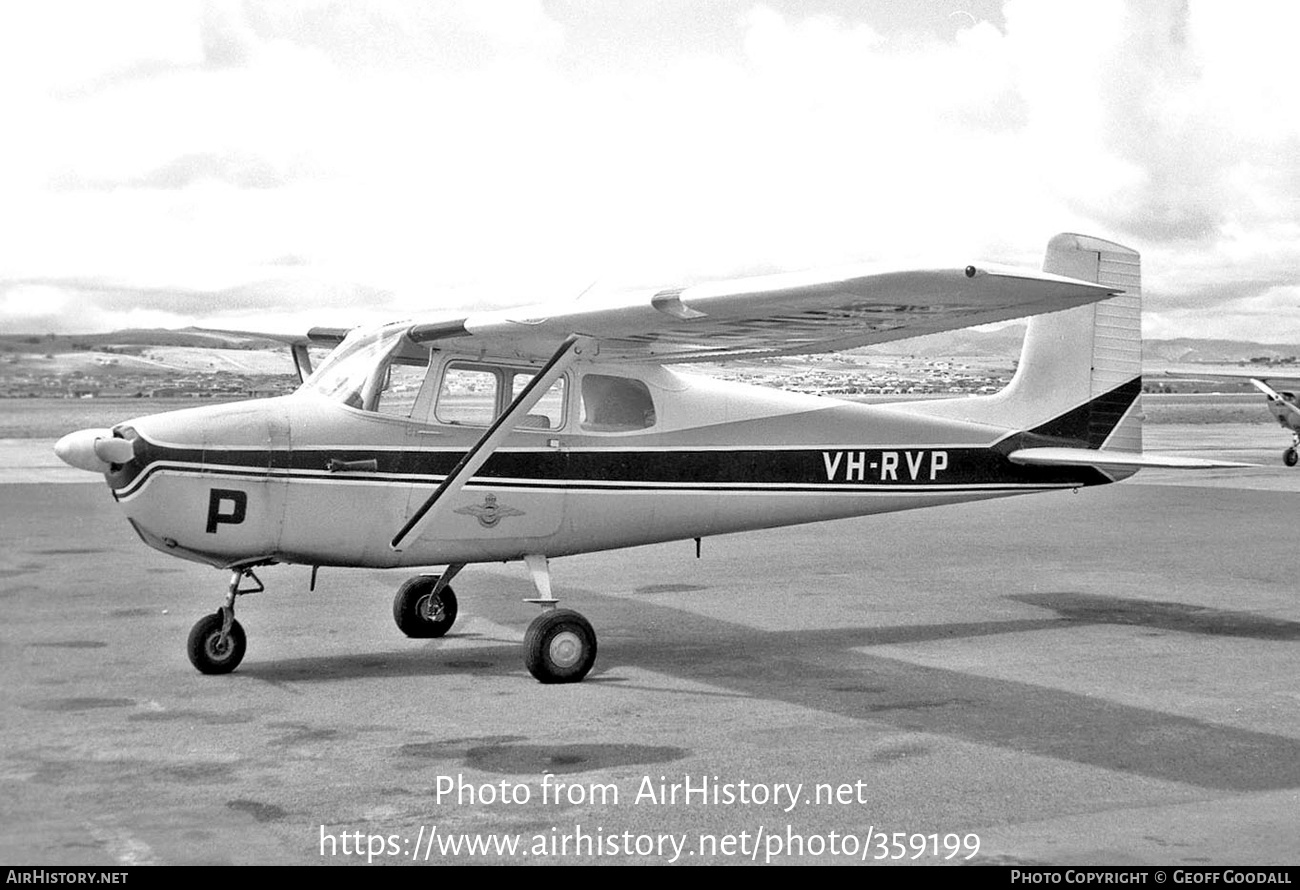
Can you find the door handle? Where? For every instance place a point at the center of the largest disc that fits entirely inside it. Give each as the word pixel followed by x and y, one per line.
pixel 352 466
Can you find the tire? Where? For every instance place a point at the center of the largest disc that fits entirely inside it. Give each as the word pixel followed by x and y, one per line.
pixel 1289 457
pixel 419 617
pixel 559 647
pixel 204 647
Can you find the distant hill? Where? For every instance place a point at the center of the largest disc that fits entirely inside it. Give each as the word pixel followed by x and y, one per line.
pixel 126 340
pixel 1185 350
pixel 1002 343
pixel 139 361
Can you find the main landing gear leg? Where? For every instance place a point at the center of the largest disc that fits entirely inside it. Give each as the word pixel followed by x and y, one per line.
pixel 560 645
pixel 217 642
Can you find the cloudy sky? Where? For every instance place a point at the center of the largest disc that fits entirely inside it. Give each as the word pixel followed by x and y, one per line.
pixel 273 165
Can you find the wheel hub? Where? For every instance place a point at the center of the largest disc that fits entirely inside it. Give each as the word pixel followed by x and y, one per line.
pixel 431 609
pixel 566 649
pixel 219 646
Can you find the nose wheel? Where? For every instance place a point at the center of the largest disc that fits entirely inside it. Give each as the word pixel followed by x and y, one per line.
pixel 217 642
pixel 215 647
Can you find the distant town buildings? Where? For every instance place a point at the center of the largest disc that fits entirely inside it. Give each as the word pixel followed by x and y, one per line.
pixel 869 375
pixel 77 385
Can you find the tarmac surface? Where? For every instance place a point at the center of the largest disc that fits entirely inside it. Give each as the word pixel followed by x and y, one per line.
pixel 1101 677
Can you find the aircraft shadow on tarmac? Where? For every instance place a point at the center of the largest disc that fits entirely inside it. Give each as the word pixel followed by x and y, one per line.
pixel 1181 617
pixel 827 669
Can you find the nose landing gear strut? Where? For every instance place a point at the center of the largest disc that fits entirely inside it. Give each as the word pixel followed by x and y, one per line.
pixel 217 642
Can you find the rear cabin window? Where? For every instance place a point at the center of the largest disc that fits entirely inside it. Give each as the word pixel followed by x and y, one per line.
pixel 475 395
pixel 615 404
pixel 547 414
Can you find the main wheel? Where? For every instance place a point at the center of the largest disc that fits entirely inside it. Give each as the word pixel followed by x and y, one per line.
pixel 208 652
pixel 559 647
pixel 1289 457
pixel 419 613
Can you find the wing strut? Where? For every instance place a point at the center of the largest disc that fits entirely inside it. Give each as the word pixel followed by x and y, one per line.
pixel 1267 390
pixel 301 361
pixel 488 442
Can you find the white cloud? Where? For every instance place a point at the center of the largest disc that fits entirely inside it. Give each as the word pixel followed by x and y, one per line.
pixel 66 44
pixel 452 154
pixel 31 301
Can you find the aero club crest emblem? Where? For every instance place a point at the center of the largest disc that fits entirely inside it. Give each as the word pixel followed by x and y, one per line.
pixel 489 513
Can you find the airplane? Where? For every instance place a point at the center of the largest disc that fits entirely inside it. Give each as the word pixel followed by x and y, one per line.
pixel 1285 408
pixel 1282 404
pixel 532 434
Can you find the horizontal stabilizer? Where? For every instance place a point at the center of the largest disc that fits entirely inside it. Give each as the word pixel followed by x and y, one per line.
pixel 1112 460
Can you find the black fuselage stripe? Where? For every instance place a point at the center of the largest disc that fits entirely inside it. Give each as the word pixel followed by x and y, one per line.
pixel 591 487
pixel 774 469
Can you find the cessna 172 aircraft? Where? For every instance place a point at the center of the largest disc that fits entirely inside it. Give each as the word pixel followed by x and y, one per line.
pixel 538 433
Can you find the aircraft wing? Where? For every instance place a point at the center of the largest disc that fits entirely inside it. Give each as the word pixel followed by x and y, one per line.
pixel 287 339
pixel 786 314
pixel 297 344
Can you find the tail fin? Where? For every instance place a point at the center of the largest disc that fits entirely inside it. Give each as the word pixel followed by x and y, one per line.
pixel 1080 371
pixel 1079 379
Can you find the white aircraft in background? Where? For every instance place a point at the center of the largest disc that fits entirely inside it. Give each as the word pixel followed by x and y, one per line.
pixel 1283 405
pixel 542 432
pixel 1286 409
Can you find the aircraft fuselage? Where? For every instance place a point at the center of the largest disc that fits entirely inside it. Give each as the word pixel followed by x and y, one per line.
pixel 309 480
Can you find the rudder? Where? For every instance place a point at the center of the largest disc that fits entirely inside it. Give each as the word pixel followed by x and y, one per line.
pixel 1079 377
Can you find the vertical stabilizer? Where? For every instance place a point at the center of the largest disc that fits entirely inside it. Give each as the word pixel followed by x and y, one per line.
pixel 1080 372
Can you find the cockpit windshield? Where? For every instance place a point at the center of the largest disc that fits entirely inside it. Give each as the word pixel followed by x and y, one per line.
pixel 357 371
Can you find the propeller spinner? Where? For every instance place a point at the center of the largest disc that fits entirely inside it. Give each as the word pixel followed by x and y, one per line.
pixel 94 450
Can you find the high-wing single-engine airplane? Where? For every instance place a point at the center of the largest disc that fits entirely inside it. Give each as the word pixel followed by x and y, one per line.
pixel 543 432
pixel 1282 404
pixel 1286 409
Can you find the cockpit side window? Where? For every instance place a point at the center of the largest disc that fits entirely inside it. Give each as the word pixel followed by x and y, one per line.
pixel 468 395
pixel 616 404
